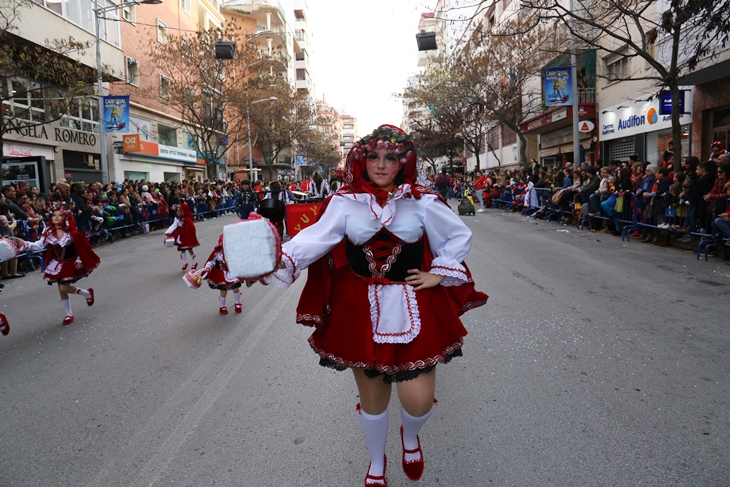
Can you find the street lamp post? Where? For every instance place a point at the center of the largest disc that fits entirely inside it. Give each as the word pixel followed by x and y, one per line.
pixel 99 12
pixel 248 122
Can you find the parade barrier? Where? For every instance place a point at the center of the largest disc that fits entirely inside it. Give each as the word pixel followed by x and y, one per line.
pixel 627 214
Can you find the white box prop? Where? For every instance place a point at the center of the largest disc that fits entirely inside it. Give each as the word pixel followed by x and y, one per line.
pixel 8 249
pixel 252 248
pixel 169 243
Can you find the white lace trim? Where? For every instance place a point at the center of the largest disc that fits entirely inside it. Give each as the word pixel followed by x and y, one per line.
pixel 394 313
pixel 455 276
pixel 283 278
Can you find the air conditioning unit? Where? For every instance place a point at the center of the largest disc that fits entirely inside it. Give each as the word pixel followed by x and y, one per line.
pixel 426 41
pixel 225 49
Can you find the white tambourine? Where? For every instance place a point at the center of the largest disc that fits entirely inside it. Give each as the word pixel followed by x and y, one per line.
pixel 8 249
pixel 169 243
pixel 252 247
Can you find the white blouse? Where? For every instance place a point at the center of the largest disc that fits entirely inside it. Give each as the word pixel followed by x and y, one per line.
pixel 358 217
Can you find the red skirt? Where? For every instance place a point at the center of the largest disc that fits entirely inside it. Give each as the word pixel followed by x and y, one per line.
pixel 345 339
pixel 64 271
pixel 217 280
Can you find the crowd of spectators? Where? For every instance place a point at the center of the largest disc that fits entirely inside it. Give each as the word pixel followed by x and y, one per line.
pixel 104 212
pixel 658 202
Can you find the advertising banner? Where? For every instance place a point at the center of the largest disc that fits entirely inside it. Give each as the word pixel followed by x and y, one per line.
pixel 558 86
pixel 115 113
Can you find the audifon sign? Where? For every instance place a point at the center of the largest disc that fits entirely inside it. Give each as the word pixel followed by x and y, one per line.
pixel 638 116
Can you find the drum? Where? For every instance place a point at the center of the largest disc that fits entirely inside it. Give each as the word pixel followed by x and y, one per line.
pixel 252 248
pixel 272 209
pixel 169 243
pixel 8 249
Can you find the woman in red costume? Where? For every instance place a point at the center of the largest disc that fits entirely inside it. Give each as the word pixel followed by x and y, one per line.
pixel 386 286
pixel 219 278
pixel 68 258
pixel 183 231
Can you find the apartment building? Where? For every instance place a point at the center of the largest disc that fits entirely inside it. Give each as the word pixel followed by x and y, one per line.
pixel 329 121
pixel 349 132
pixel 303 35
pixel 167 150
pixel 43 150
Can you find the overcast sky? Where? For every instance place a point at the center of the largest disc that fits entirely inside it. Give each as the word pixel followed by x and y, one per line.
pixel 364 51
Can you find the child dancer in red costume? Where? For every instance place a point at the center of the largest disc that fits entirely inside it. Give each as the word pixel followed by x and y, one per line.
pixel 183 231
pixel 219 278
pixel 68 258
pixel 385 288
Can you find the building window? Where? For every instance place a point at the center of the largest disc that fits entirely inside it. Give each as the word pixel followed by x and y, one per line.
pixel 185 5
pixel 132 71
pixel 26 100
pixel 509 137
pixel 81 13
pixel 164 86
pixel 166 135
pixel 82 115
pixel 617 70
pixel 161 32
pixel 129 13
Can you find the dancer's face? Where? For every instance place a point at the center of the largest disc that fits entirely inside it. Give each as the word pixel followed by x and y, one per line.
pixel 58 218
pixel 382 167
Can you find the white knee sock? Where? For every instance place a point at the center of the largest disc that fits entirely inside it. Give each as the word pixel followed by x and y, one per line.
pixel 192 257
pixel 375 430
pixel 411 426
pixel 222 300
pixel 67 307
pixel 183 257
pixel 237 298
pixel 83 292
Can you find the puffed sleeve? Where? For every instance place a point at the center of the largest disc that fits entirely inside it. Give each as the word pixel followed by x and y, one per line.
pixel 312 243
pixel 36 246
pixel 450 242
pixel 176 223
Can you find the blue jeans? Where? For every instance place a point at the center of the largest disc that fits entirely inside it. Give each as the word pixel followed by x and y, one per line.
pixel 480 198
pixel 723 225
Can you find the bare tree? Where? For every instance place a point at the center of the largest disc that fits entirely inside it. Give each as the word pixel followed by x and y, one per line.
pixel 320 148
pixel 207 94
pixel 673 37
pixel 278 125
pixel 39 83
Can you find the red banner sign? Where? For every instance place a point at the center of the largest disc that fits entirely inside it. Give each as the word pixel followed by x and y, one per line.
pixel 300 216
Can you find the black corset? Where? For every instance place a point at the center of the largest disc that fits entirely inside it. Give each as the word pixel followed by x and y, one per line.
pixel 385 256
pixel 65 253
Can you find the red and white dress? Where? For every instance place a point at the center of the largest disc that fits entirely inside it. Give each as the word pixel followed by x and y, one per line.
pixel 183 231
pixel 218 275
pixel 63 254
pixel 365 314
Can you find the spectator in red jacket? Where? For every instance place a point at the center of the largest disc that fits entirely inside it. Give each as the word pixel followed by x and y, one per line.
pixel 479 185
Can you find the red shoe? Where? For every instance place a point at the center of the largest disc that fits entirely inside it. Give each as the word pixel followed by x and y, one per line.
pixel 238 307
pixel 195 266
pixel 224 310
pixel 412 468
pixel 4 325
pixel 185 267
pixel 373 481
pixel 90 301
pixel 68 320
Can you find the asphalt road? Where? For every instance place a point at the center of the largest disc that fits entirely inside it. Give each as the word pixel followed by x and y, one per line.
pixel 595 363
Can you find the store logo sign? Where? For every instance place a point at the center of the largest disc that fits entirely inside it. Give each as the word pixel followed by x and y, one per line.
pixel 651 116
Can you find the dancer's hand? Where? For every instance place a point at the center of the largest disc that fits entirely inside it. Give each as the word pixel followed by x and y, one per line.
pixel 79 265
pixel 423 280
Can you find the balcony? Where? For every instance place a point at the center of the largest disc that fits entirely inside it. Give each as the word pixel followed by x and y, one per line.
pixel 254 5
pixel 281 58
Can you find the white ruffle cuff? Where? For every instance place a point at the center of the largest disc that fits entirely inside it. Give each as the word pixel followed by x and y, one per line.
pixel 283 278
pixel 455 272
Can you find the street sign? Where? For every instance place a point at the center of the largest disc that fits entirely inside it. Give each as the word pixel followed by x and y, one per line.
pixel 299 160
pixel 585 126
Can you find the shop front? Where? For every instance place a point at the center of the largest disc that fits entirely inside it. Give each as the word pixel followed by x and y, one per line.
pixel 643 128
pixel 136 159
pixel 554 130
pixel 54 152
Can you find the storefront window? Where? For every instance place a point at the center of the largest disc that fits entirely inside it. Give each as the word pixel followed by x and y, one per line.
pixel 657 143
pixel 166 135
pixel 721 126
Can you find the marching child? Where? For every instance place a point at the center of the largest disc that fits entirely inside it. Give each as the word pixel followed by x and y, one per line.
pixel 183 231
pixel 219 278
pixel 69 257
